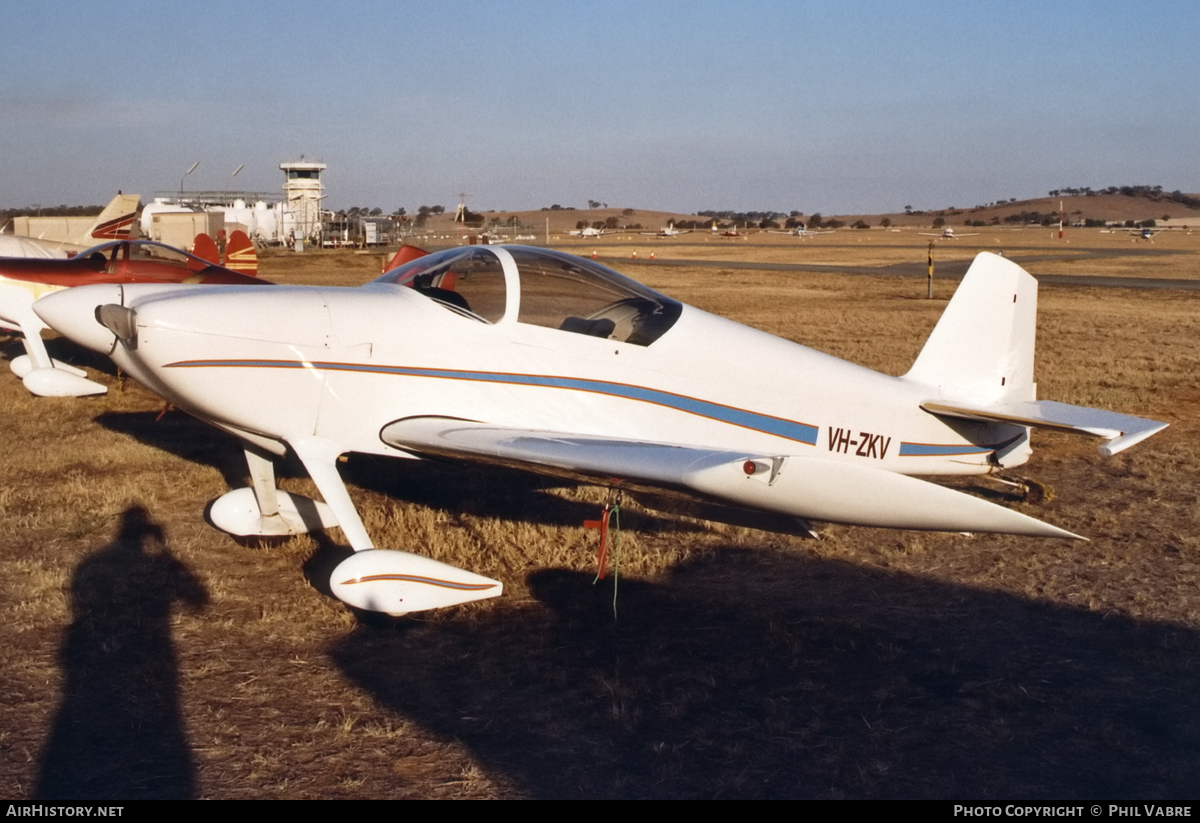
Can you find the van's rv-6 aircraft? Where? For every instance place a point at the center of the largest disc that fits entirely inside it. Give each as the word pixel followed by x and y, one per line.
pixel 538 359
pixel 24 280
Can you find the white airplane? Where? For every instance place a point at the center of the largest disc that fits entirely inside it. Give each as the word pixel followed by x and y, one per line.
pixel 1145 234
pixel 802 232
pixel 538 359
pixel 590 231
pixel 115 222
pixel 667 231
pixel 947 234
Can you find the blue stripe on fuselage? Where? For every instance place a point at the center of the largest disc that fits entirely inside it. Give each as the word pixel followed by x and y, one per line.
pixel 949 450
pixel 789 429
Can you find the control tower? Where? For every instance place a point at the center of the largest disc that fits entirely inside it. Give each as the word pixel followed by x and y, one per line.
pixel 302 196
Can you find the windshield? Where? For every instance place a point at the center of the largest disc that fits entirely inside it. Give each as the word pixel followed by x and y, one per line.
pixel 467 281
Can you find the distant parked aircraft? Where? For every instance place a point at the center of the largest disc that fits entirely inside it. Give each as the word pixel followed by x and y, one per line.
pixel 802 232
pixel 948 234
pixel 668 231
pixel 590 232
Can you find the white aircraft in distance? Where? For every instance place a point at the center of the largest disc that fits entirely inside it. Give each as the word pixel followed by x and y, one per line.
pixel 115 222
pixel 538 359
pixel 591 231
pixel 947 234
pixel 802 232
pixel 667 231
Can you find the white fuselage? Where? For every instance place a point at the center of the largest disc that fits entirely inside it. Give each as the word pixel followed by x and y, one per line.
pixel 341 364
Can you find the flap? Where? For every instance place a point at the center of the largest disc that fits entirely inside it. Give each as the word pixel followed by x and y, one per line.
pixel 577 455
pixel 837 491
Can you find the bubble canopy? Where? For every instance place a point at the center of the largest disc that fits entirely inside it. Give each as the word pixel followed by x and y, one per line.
pixel 540 287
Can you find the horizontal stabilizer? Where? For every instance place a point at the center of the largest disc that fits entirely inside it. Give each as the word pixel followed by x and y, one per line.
pixel 814 489
pixel 1120 431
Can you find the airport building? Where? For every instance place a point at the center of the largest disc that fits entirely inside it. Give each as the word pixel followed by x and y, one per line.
pixel 294 218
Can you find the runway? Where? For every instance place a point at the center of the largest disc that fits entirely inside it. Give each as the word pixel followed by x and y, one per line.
pixel 954 269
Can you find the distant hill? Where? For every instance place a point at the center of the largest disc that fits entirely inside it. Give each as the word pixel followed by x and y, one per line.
pixel 1104 208
pixel 1077 208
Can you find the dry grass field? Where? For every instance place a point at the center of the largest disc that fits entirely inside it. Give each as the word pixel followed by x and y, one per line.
pixel 146 654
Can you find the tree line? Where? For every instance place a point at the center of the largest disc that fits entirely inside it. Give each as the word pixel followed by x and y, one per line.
pixel 1149 192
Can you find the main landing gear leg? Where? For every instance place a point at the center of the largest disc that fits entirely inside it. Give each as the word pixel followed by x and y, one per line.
pixel 262 510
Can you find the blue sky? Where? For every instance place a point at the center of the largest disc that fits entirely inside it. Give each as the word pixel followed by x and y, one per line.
pixel 830 107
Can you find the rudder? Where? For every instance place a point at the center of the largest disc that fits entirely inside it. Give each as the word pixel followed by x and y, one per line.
pixel 982 347
pixel 240 254
pixel 116 220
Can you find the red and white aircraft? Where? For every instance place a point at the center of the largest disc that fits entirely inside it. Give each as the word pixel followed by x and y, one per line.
pixel 115 222
pixel 24 280
pixel 534 358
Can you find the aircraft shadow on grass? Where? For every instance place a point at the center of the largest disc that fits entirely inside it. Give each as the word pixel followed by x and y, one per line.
pixel 452 487
pixel 184 436
pixel 118 732
pixel 765 674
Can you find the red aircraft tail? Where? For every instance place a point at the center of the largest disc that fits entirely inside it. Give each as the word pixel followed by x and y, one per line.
pixel 406 254
pixel 240 254
pixel 205 248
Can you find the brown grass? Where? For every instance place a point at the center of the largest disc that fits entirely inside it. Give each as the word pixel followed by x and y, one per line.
pixel 148 655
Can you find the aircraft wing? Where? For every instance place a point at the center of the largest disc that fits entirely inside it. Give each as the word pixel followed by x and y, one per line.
pixel 1120 431
pixel 799 486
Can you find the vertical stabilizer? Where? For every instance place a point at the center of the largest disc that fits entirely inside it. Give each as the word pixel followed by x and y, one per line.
pixel 982 347
pixel 116 221
pixel 405 254
pixel 240 254
pixel 205 248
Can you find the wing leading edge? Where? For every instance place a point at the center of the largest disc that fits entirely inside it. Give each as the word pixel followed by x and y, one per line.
pixel 826 490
